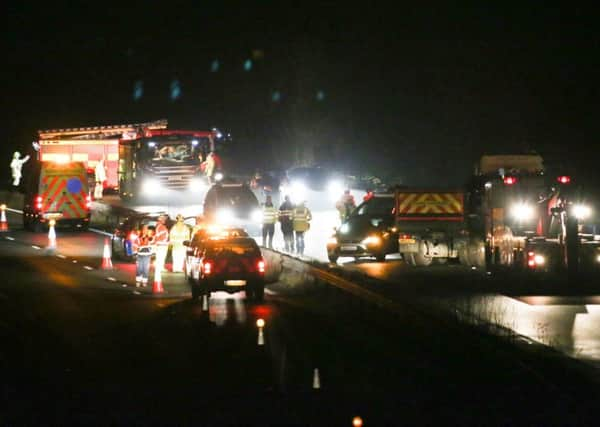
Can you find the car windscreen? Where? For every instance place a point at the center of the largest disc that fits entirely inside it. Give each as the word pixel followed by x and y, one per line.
pixel 225 248
pixel 171 152
pixel 234 197
pixel 376 206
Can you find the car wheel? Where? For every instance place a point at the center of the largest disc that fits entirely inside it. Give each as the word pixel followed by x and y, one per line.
pixel 380 257
pixel 195 292
pixel 259 292
pixel 332 258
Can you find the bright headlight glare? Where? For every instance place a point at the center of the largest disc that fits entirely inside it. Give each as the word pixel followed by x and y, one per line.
pixel 197 184
pixel 257 215
pixel 344 228
pixel 218 176
pixel 224 216
pixel 598 258
pixel 372 240
pixel 297 192
pixel 150 185
pixel 522 211
pixel 539 259
pixel 582 211
pixel 333 241
pixel 335 189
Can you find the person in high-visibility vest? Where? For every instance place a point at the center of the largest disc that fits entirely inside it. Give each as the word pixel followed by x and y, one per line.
pixel 179 234
pixel 100 175
pixel 269 219
pixel 142 243
pixel 16 165
pixel 301 218
pixel 161 240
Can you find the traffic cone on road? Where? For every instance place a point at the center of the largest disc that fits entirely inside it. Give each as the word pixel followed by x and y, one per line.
pixel 106 261
pixel 157 288
pixel 3 221
pixel 51 235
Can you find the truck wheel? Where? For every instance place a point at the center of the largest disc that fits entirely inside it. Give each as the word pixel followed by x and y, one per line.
pixel 421 260
pixel 332 258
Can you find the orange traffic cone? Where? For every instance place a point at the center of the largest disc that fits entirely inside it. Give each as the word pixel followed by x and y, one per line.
pixel 51 235
pixel 106 261
pixel 3 221
pixel 157 288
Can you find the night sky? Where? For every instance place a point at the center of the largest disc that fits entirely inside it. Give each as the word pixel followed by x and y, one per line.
pixel 415 93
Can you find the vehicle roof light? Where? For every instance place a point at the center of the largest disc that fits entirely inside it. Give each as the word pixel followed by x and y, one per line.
pixel 510 180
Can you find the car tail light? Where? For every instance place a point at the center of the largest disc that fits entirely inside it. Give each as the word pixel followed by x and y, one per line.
pixel 510 180
pixel 88 201
pixel 564 179
pixel 531 259
pixel 38 203
pixel 261 266
pixel 207 267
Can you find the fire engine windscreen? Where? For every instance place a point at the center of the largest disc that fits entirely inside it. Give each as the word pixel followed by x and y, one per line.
pixel 180 151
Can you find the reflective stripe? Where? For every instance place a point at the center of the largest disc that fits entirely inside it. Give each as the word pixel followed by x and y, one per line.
pixel 162 235
pixel 269 215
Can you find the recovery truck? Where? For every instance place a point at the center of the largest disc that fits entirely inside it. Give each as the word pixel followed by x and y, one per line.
pixel 90 144
pixel 510 215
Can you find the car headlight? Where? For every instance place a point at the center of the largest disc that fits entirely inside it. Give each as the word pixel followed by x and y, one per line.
pixel 225 216
pixel 539 259
pixel 257 215
pixel 581 211
pixel 297 192
pixel 150 185
pixel 197 185
pixel 372 241
pixel 522 211
pixel 334 189
pixel 218 176
pixel 344 228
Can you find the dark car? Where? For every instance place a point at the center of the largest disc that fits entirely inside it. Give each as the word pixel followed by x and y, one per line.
pixel 121 241
pixel 230 264
pixel 368 231
pixel 232 204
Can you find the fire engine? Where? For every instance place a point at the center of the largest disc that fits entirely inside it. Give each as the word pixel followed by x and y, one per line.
pixel 90 144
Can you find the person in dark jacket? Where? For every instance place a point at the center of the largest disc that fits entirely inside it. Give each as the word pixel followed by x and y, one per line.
pixel 287 225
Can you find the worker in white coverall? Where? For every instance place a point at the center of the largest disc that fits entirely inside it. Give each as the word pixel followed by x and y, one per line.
pixel 180 232
pixel 16 166
pixel 100 172
pixel 161 240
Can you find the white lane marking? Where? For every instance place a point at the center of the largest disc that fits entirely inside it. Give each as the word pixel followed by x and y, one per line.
pixel 61 256
pixel 270 292
pixel 87 267
pixel 14 210
pixel 9 238
pixel 95 230
pixel 111 279
pixel 124 285
pixel 36 247
pixel 136 293
pixel 74 261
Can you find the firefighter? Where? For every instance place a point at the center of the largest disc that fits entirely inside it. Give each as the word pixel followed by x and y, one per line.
pixel 16 165
pixel 301 223
pixel 179 234
pixel 209 167
pixel 345 205
pixel 162 243
pixel 100 176
pixel 142 244
pixel 287 226
pixel 268 223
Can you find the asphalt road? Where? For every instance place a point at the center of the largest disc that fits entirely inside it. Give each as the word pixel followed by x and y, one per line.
pixel 82 345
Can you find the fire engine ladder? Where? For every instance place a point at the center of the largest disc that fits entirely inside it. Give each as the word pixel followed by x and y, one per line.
pixel 100 132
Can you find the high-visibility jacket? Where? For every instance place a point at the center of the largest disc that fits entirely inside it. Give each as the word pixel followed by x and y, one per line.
pixel 179 233
pixel 141 244
pixel 162 235
pixel 301 217
pixel 270 215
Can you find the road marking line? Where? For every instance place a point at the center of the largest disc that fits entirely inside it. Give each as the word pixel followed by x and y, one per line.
pixel 9 238
pixel 36 247
pixel 87 267
pixel 95 230
pixel 124 285
pixel 14 210
pixel 111 279
pixel 136 293
pixel 61 256
pixel 74 261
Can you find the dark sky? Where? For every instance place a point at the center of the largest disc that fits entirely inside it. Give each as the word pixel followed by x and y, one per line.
pixel 419 92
